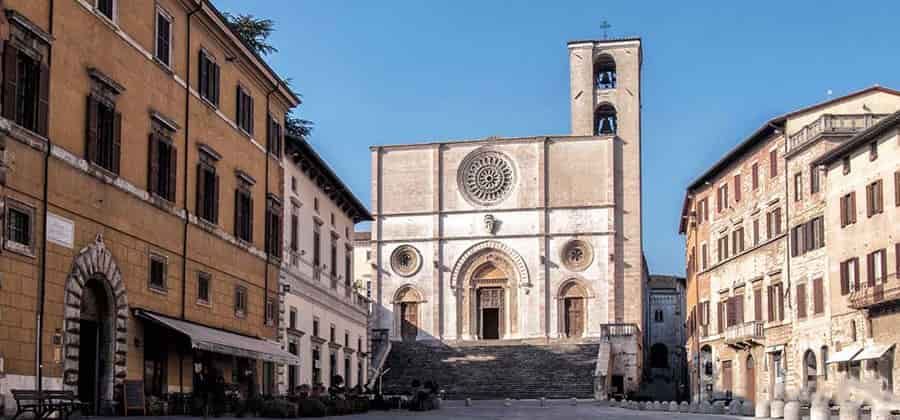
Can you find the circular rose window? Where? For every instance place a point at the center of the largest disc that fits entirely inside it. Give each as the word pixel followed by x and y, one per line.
pixel 406 260
pixel 577 255
pixel 486 177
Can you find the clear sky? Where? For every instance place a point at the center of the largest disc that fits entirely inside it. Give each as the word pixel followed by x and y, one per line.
pixel 413 71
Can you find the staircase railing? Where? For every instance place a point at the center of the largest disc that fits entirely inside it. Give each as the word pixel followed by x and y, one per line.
pixel 381 343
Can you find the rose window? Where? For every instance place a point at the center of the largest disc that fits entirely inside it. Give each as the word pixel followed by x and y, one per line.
pixel 577 255
pixel 486 177
pixel 406 260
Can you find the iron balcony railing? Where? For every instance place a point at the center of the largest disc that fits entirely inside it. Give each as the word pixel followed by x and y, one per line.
pixel 874 295
pixel 833 124
pixel 745 333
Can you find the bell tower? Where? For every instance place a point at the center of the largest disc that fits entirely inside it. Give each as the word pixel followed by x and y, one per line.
pixel 605 95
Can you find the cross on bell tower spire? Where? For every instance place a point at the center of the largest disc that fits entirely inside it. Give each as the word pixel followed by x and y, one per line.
pixel 605 26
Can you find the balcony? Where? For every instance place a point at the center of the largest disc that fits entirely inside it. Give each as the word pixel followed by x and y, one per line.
pixel 746 334
pixel 872 296
pixel 618 330
pixel 832 124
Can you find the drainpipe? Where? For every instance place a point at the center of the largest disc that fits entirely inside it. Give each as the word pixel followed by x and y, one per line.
pixel 41 292
pixel 184 189
pixel 265 213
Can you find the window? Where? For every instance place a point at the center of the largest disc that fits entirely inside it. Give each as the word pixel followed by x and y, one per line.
pixel 755 232
pixel 295 228
pixel 240 301
pixel 203 280
pixel 798 186
pixel 347 339
pixel 873 150
pixel 333 262
pixel 814 181
pixel 605 120
pixel 274 137
pixel 605 72
pixel 243 213
pixel 738 240
pixel 209 78
pixel 704 206
pixel 20 225
pixel 849 276
pixel 163 165
pixel 757 305
pixel 207 188
pixel 876 263
pixel 897 189
pixel 331 334
pixel 796 240
pixel 315 331
pixel 737 188
pixel 818 296
pixel 163 37
pixel 317 246
pixel 270 311
pixel 348 268
pixel 848 209
pixel 157 272
pixel 316 368
pixel 734 307
pixel 704 255
pixel 292 319
pixel 273 226
pixel 104 134
pixel 107 8
pixel 722 198
pixel 874 198
pixel 845 163
pixel 776 302
pixel 26 81
pixel 722 248
pixel 755 176
pixel 658 315
pixel 244 114
pixel 773 223
pixel 773 163
pixel 801 300
pixel 294 184
pixel 359 346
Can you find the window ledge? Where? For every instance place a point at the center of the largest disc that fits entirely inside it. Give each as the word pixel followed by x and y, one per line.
pixel 165 67
pixel 158 289
pixel 99 171
pixel 212 106
pixel 21 249
pixel 204 304
pixel 240 314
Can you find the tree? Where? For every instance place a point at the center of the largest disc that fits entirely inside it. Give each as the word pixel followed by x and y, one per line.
pixel 297 127
pixel 253 31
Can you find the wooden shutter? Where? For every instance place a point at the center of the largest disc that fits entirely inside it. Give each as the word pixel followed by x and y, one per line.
pixel 897 189
pixel 239 110
pixel 153 159
pixel 215 198
pixel 769 225
pixel 739 300
pixel 757 305
pixel 116 142
pixel 852 208
pixel 203 75
pixel 737 187
pixel 249 218
pixel 844 210
pixel 238 215
pixel 10 79
pixel 173 171
pixel 870 269
pixel 801 300
pixel 720 311
pixel 845 279
pixel 879 196
pixel 201 191
pixel 818 296
pixel 91 145
pixel 855 273
pixel 755 176
pixel 295 232
pixel 770 294
pixel 773 163
pixel 250 112
pixel 43 111
pixel 870 200
pixel 214 73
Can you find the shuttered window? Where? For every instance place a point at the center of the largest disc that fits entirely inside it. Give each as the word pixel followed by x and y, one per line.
pixel 876 265
pixel 773 163
pixel 720 317
pixel 244 114
pixel 163 163
pixel 757 305
pixel 240 301
pixel 273 227
pixel 897 189
pixel 295 230
pixel 26 87
pixel 874 199
pixel 737 187
pixel 818 296
pixel 755 176
pixel 814 180
pixel 104 134
pixel 755 232
pixel 274 134
pixel 704 256
pixel 209 78
pixel 163 37
pixel 798 186
pixel 849 276
pixel 243 213
pixel 207 189
pixel 848 209
pixel 801 301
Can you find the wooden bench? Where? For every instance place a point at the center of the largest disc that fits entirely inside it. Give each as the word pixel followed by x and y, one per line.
pixel 43 404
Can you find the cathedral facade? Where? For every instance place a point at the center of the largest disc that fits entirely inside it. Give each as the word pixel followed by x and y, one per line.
pixel 535 238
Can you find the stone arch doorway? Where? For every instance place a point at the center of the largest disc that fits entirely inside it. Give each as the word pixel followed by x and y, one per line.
pixel 573 306
pixel 486 278
pixel 810 371
pixel 659 356
pixel 407 306
pixel 95 327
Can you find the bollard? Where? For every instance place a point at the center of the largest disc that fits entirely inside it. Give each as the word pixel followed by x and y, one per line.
pixel 776 409
pixel 734 409
pixel 819 410
pixel 543 401
pixel 684 407
pixel 468 402
pixel 673 407
pixel 574 401
pixel 762 410
pixel 718 407
pixel 747 409
pixel 849 410
pixel 792 410
pixel 507 403
pixel 880 412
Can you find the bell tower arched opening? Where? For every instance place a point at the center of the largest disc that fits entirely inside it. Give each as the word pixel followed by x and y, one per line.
pixel 605 121
pixel 605 72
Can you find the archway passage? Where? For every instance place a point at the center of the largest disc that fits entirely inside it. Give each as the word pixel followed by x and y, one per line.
pixel 573 297
pixel 96 343
pixel 811 369
pixel 750 376
pixel 406 304
pixel 490 310
pixel 659 356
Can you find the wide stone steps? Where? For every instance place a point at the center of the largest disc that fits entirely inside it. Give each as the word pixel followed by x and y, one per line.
pixel 497 369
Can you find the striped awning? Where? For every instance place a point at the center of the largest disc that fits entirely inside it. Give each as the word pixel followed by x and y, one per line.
pixel 218 341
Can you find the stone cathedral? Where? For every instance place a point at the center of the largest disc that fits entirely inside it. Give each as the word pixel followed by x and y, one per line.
pixel 522 241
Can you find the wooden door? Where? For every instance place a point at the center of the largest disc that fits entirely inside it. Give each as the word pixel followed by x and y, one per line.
pixel 409 327
pixel 574 309
pixel 490 313
pixel 727 376
pixel 750 376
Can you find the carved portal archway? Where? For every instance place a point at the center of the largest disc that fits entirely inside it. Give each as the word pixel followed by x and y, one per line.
pixel 572 308
pixel 95 279
pixel 499 271
pixel 408 302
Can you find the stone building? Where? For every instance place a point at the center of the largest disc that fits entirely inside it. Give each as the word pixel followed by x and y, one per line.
pixel 522 238
pixel 863 262
pixel 141 168
pixel 665 372
pixel 757 267
pixel 324 315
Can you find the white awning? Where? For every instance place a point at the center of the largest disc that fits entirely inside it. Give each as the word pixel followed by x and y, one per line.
pixel 874 351
pixel 218 341
pixel 845 355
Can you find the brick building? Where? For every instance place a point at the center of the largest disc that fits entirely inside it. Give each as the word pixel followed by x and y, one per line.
pixel 141 173
pixel 758 283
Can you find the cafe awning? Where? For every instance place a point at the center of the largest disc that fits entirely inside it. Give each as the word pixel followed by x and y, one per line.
pixel 218 341
pixel 873 351
pixel 845 355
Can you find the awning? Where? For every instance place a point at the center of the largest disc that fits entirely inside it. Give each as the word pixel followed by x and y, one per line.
pixel 874 351
pixel 218 341
pixel 845 355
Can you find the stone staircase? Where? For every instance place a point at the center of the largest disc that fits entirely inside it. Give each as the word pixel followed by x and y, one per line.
pixel 495 369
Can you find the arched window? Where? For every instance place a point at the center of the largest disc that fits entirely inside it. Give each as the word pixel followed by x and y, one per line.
pixel 605 72
pixel 605 121
pixel 659 356
pixel 825 362
pixel 811 368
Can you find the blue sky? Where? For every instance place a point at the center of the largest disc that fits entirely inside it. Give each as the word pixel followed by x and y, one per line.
pixel 413 71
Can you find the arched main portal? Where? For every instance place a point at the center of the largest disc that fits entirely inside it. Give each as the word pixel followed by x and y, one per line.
pixel 486 278
pixel 96 327
pixel 407 304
